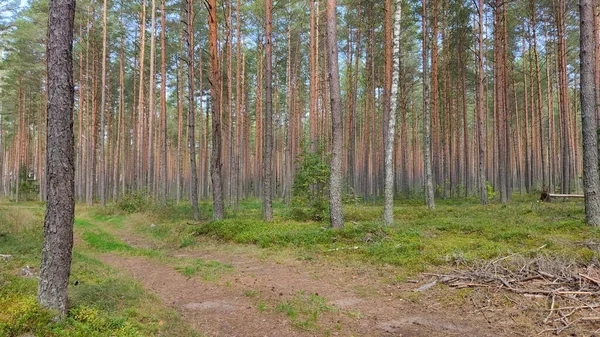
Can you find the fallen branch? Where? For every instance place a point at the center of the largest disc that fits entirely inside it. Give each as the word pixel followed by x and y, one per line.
pixel 571 289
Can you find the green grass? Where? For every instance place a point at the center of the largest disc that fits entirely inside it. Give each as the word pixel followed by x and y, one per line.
pixel 103 302
pixel 458 230
pixel 207 270
pixel 304 310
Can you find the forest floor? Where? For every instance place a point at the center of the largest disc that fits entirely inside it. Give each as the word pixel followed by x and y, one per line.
pixel 241 277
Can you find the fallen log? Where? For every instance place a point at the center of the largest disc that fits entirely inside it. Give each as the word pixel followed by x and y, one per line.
pixel 545 196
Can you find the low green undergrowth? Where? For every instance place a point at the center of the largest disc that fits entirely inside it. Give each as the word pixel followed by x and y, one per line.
pixel 304 310
pixel 457 231
pixel 207 270
pixel 103 302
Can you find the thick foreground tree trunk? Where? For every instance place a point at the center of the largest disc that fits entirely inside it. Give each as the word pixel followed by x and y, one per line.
pixel 58 224
pixel 591 184
pixel 335 179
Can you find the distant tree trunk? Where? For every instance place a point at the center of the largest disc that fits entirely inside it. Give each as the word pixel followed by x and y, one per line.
pixel 550 96
pixel 93 133
pixel 235 175
pixel 215 160
pixel 58 224
pixel 388 210
pixel 591 181
pixel 541 143
pixel 141 97
pixel 121 123
pixel 429 198
pixel 102 178
pixel 151 104
pixel 268 127
pixel 313 87
pixel 191 110
pixel 528 163
pixel 437 152
pixel 563 98
pixel 335 179
pixel 163 103
pixel 81 101
pixel 483 195
pixel 180 91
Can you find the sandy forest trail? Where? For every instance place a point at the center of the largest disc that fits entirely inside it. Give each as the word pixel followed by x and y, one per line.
pixel 361 299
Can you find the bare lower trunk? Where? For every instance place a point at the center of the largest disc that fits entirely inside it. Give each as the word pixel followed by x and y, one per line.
pixel 335 180
pixel 591 181
pixel 215 160
pixel 388 208
pixel 268 135
pixel 102 177
pixel 191 111
pixel 429 198
pixel 58 224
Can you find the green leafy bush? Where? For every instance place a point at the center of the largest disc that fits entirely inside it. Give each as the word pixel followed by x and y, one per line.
pixel 134 201
pixel 310 186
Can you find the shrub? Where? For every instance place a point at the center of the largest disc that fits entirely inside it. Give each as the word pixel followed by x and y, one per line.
pixel 310 186
pixel 134 201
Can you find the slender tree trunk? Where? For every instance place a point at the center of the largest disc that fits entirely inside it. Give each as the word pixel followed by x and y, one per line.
pixel 215 161
pixel 388 210
pixel 540 121
pixel 429 198
pixel 151 104
pixel 120 127
pixel 163 103
pixel 564 98
pixel 268 126
pixel 437 157
pixel 58 223
pixel 81 98
pixel 239 118
pixel 191 110
pixel 141 98
pixel 180 90
pixel 102 177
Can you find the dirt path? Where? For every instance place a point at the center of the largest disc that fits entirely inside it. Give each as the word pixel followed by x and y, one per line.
pixel 362 299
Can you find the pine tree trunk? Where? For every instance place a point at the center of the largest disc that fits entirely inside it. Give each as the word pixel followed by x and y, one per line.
pixel 151 105
pixel 102 174
pixel 217 182
pixel 163 103
pixel 563 98
pixel 542 147
pixel 140 101
pixel 335 179
pixel 179 169
pixel 591 180
pixel 191 110
pixel 268 122
pixel 58 224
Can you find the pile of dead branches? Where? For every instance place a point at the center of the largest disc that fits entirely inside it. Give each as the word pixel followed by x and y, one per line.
pixel 571 289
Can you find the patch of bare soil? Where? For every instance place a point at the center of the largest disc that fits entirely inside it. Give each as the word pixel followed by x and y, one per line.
pixel 363 299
